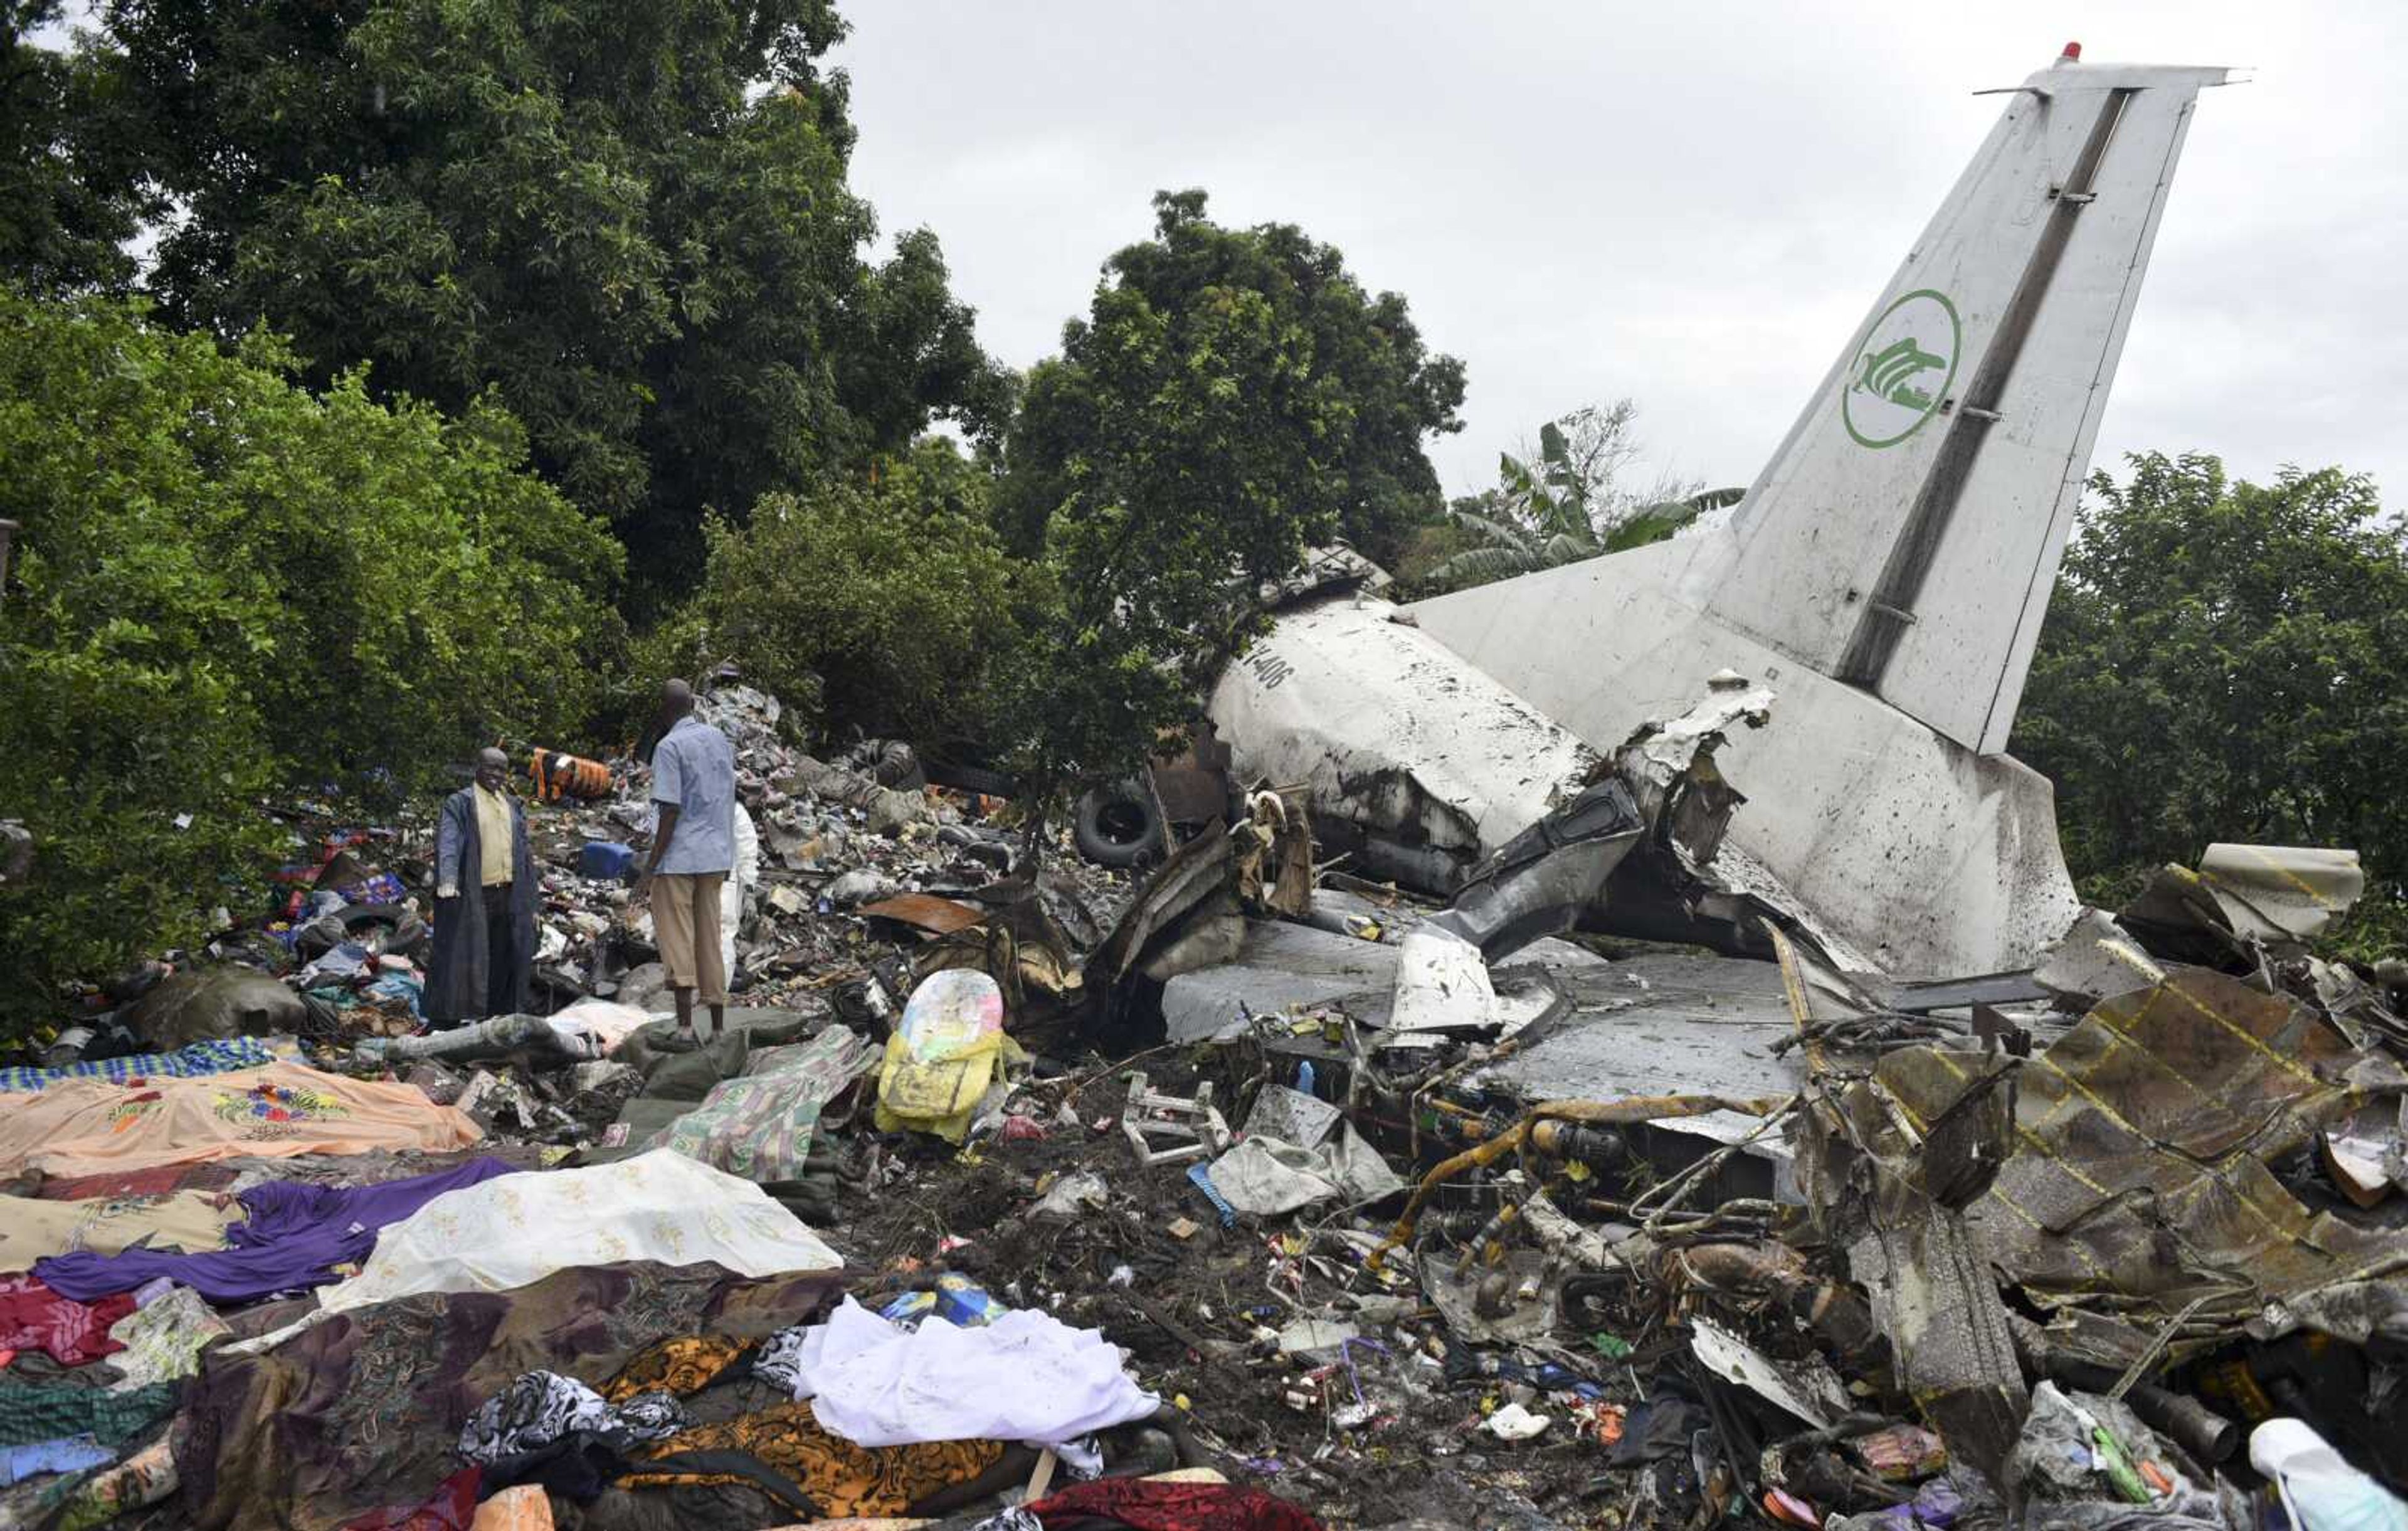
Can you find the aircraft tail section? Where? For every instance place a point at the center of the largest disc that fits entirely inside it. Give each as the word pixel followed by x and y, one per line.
pixel 1887 574
pixel 1905 537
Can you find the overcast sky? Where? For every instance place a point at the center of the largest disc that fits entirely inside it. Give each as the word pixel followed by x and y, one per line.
pixel 1691 204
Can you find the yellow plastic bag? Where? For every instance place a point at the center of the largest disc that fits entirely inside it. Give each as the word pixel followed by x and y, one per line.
pixel 938 1096
pixel 942 1056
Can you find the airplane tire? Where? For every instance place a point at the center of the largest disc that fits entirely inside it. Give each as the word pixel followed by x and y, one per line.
pixel 1117 825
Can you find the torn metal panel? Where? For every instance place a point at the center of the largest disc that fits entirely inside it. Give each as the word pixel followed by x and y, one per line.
pixel 1195 872
pixel 926 911
pixel 1291 1116
pixel 2176 917
pixel 1526 996
pixel 1212 934
pixel 2361 1313
pixel 1964 993
pixel 1667 1024
pixel 2349 1001
pixel 2244 897
pixel 1685 884
pixel 2094 960
pixel 1279 966
pixel 2281 893
pixel 1866 1168
pixel 1441 985
pixel 1890 1189
pixel 2366 1153
pixel 1393 736
pixel 1661 1025
pixel 2140 1184
pixel 2355 1167
pixel 1282 966
pixel 1808 1389
pixel 1967 1144
pixel 1641 852
pixel 1658 897
pixel 1545 877
pixel 1661 752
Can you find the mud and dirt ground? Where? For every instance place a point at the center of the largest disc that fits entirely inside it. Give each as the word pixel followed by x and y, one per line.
pixel 1193 1305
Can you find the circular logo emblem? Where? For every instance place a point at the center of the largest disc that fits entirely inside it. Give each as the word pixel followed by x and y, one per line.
pixel 1902 370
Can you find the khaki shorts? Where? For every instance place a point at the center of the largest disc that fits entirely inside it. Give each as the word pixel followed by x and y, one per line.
pixel 685 925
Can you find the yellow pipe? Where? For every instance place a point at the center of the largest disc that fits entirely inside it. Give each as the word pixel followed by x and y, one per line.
pixel 1595 1114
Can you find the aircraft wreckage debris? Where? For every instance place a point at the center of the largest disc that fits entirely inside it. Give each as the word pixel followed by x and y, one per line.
pixel 1623 1053
pixel 1524 1236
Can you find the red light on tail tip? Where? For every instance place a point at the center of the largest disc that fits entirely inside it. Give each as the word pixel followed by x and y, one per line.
pixel 2072 53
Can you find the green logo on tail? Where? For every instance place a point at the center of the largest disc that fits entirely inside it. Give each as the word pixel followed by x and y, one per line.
pixel 1902 370
pixel 1890 372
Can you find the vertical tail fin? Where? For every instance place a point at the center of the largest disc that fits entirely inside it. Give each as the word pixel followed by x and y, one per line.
pixel 1906 536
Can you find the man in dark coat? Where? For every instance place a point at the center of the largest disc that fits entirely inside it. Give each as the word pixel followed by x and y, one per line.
pixel 485 891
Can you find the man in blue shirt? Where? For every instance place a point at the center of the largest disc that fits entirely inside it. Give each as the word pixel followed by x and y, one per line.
pixel 694 848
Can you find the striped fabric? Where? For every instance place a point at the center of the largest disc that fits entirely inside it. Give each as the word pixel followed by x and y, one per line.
pixel 211 1057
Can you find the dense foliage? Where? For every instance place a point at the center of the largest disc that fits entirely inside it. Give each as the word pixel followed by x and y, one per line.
pixel 887 608
pixel 71 192
pixel 1232 397
pixel 1242 368
pixel 448 292
pixel 630 222
pixel 2223 661
pixel 226 586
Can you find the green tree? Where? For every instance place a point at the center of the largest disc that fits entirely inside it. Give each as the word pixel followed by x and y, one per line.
pixel 71 198
pixel 1339 377
pixel 226 586
pixel 1232 397
pixel 2223 661
pixel 889 608
pixel 632 222
pixel 1570 505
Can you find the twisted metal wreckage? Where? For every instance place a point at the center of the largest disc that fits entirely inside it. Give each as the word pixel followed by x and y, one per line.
pixel 1873 1184
pixel 2024 1200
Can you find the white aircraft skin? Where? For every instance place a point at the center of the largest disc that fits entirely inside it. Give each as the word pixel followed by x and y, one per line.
pixel 1886 574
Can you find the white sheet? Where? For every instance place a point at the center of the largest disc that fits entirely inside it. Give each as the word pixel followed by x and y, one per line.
pixel 518 1229
pixel 1025 1376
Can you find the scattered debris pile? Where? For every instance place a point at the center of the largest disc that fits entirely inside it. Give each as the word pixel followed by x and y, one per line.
pixel 1243 1190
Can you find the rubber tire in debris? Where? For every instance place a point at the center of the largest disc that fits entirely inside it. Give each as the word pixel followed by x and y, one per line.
pixel 972 779
pixel 1117 825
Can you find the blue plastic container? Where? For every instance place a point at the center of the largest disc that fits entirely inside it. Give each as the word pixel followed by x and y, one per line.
pixel 606 859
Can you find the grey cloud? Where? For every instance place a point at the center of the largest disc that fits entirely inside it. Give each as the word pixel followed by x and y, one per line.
pixel 1690 206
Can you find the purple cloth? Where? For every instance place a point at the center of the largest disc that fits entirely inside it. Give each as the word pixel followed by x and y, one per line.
pixel 295 1236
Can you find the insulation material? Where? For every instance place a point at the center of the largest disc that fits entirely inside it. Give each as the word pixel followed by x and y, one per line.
pixel 2140 1183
